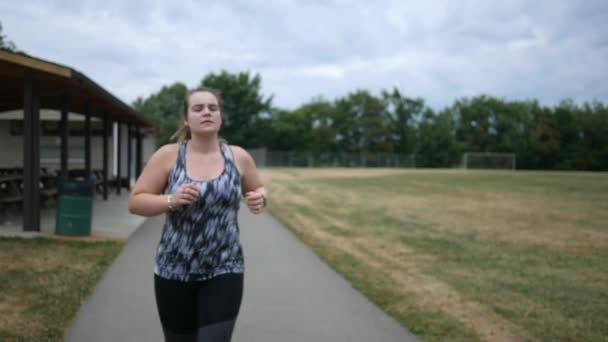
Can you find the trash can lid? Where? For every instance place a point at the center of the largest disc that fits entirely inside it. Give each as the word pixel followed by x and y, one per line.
pixel 75 187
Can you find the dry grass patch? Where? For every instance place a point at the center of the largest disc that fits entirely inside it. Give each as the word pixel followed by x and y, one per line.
pixel 44 281
pixel 510 256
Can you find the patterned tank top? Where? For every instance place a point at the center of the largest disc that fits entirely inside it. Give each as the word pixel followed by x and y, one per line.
pixel 201 240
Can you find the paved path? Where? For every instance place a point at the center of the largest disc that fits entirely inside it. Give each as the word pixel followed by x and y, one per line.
pixel 290 294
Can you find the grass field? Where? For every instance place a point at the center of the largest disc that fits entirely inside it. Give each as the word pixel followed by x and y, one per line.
pixel 461 255
pixel 44 281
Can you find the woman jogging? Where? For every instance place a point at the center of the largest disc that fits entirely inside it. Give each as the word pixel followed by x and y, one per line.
pixel 198 183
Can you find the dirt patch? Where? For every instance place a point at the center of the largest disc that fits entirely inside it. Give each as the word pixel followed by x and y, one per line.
pixel 10 311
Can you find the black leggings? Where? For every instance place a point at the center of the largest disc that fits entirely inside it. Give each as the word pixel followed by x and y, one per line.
pixel 199 310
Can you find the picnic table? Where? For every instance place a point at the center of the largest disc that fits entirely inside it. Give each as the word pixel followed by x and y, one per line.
pixel 12 182
pixel 11 188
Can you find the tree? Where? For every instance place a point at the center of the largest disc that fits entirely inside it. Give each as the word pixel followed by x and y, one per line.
pixel 291 130
pixel 403 113
pixel 323 131
pixel 436 142
pixel 245 111
pixel 475 128
pixel 519 132
pixel 362 123
pixel 545 137
pixel 592 148
pixel 567 119
pixel 164 108
pixel 5 43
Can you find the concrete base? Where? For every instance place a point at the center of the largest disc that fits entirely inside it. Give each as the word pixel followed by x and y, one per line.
pixel 111 219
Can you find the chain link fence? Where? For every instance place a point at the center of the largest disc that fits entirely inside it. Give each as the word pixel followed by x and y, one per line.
pixel 489 160
pixel 265 158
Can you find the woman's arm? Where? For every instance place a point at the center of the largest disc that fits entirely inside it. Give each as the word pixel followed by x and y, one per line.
pixel 253 190
pixel 146 198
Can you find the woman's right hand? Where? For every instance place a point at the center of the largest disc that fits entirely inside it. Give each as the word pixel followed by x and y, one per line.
pixel 185 195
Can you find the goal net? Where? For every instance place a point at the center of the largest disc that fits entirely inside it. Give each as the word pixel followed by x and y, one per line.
pixel 489 160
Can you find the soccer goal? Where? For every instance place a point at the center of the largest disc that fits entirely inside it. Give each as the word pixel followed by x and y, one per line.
pixel 489 160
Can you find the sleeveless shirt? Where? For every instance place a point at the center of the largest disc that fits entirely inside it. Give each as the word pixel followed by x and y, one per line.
pixel 201 240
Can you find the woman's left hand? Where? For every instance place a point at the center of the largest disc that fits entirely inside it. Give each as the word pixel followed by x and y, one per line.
pixel 255 201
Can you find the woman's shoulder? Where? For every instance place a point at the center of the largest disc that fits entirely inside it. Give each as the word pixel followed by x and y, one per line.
pixel 168 148
pixel 167 152
pixel 239 152
pixel 242 157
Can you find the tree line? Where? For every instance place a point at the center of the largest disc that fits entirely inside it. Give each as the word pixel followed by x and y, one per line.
pixel 567 136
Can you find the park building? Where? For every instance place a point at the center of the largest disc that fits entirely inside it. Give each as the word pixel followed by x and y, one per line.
pixel 57 124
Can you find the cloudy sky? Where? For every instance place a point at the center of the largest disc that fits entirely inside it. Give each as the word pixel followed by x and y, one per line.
pixel 438 50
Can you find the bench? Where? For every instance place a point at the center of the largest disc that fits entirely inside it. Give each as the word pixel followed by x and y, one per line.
pixel 11 189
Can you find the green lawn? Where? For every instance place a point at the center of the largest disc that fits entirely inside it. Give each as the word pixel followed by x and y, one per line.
pixel 44 281
pixel 461 255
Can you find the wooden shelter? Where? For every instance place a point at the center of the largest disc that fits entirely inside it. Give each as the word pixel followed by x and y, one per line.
pixel 30 83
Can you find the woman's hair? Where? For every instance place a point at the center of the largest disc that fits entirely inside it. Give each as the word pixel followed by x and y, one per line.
pixel 183 133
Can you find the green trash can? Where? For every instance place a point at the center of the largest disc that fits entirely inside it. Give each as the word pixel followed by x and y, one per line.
pixel 74 208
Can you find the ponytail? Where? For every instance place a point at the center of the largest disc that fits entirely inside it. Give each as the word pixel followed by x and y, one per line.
pixel 183 133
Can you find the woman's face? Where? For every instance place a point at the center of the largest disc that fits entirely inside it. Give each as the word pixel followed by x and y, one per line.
pixel 204 115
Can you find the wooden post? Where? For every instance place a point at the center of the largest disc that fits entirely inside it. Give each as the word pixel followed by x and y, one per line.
pixel 129 156
pixel 87 141
pixel 138 152
pixel 31 155
pixel 106 128
pixel 118 158
pixel 64 134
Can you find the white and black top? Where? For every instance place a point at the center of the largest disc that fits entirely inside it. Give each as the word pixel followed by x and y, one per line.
pixel 201 240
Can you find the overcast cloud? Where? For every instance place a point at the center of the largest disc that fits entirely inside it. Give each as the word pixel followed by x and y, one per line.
pixel 438 50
